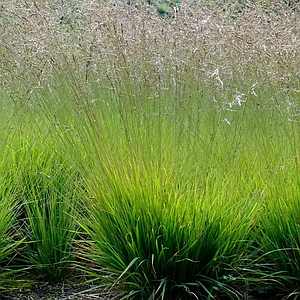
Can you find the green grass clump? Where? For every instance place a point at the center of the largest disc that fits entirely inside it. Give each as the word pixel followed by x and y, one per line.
pixel 279 227
pixel 176 186
pixel 45 198
pixel 165 215
pixel 9 237
pixel 50 227
pixel 161 245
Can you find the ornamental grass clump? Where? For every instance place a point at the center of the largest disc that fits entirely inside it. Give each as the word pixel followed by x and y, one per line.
pixel 164 222
pixel 157 245
pixel 10 239
pixel 43 188
pixel 50 226
pixel 173 142
pixel 279 228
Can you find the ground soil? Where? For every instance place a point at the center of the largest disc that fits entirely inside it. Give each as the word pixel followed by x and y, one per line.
pixel 64 291
pixel 59 292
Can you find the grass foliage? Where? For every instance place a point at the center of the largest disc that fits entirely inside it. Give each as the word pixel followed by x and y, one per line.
pixel 159 155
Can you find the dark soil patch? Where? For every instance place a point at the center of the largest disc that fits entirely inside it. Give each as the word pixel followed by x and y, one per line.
pixel 67 291
pixel 61 291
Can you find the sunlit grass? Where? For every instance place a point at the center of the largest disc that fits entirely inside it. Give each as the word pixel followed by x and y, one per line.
pixel 164 163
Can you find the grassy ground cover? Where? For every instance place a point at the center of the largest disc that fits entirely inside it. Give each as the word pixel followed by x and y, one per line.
pixel 157 155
